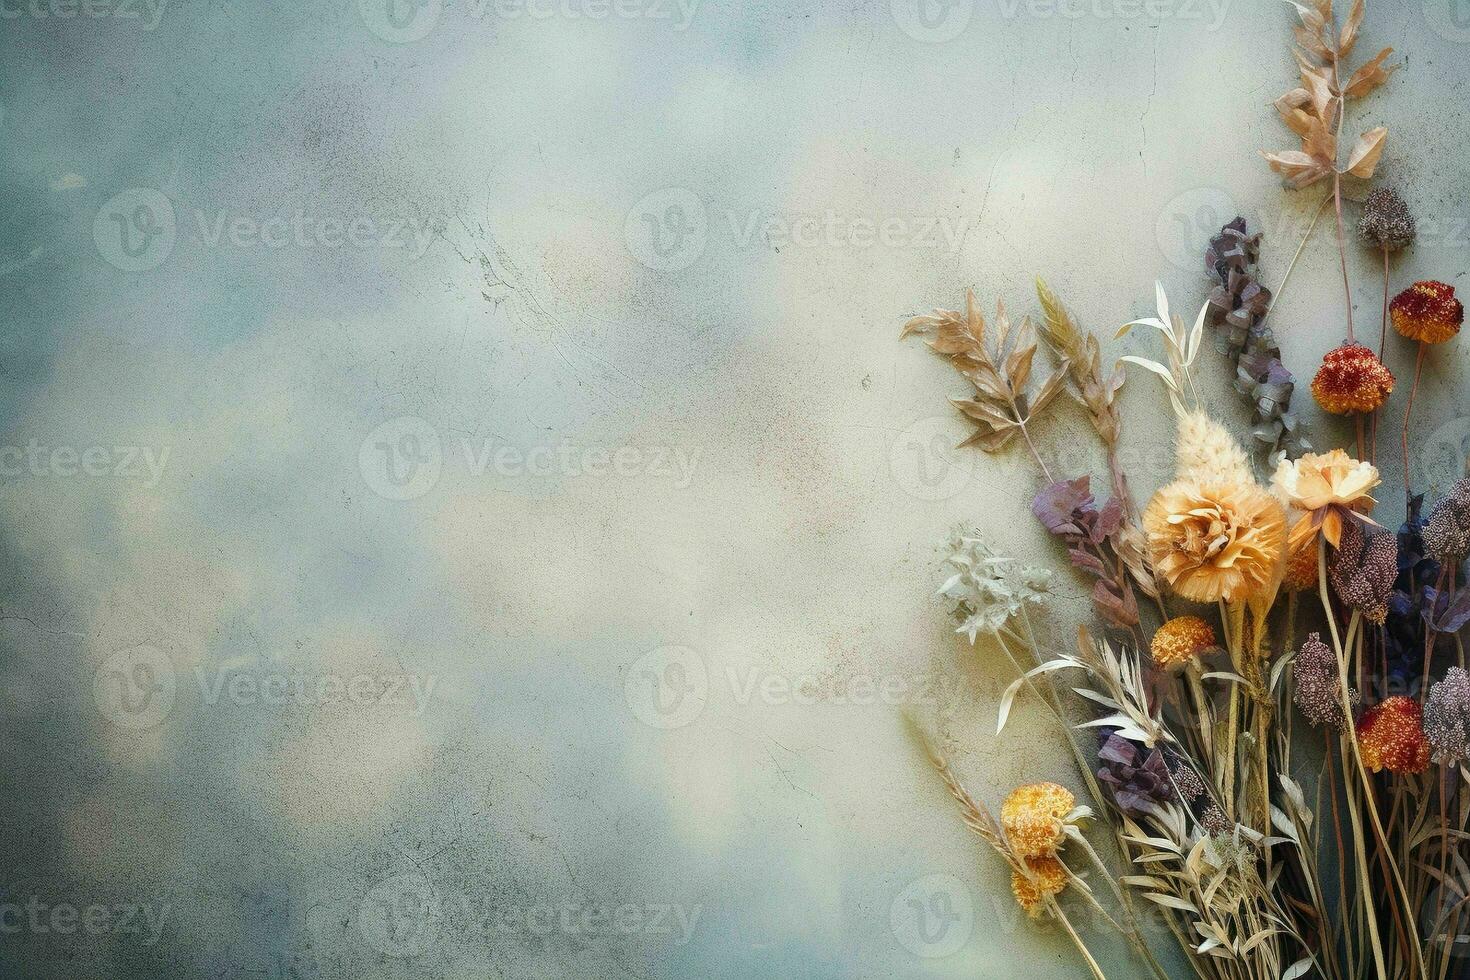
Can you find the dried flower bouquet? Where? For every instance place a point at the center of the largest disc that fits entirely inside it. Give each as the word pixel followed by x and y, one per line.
pixel 1241 621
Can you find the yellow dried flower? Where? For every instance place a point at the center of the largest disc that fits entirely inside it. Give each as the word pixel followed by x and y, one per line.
pixel 1352 379
pixel 1209 454
pixel 1048 877
pixel 1033 818
pixel 1216 541
pixel 1180 640
pixel 1326 488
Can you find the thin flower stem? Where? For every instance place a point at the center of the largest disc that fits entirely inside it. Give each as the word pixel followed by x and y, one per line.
pixel 1321 206
pixel 1383 332
pixel 1408 410
pixel 1056 909
pixel 1351 738
pixel 1342 249
pixel 1337 199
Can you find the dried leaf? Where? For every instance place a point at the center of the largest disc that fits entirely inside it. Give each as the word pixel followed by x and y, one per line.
pixel 1153 366
pixel 1370 76
pixel 1365 155
pixel 1299 169
pixel 1349 35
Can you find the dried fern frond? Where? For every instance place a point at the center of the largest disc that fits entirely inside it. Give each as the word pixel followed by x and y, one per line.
pixel 1083 355
pixel 1003 402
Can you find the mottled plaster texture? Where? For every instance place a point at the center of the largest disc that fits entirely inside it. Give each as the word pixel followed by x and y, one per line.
pixel 467 512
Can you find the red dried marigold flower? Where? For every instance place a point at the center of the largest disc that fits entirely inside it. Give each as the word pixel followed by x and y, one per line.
pixel 1352 379
pixel 1428 311
pixel 1180 640
pixel 1391 736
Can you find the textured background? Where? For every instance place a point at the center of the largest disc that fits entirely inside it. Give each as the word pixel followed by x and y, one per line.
pixel 466 511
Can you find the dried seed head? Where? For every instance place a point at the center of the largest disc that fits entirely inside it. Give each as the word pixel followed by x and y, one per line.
pixel 1447 532
pixel 1387 222
pixel 1364 567
pixel 1447 717
pixel 1215 821
pixel 1318 684
pixel 1187 781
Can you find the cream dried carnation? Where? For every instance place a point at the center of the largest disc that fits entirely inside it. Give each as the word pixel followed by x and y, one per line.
pixel 1214 541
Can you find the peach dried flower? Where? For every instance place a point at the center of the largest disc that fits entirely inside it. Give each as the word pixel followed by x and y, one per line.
pixel 1216 541
pixel 1326 488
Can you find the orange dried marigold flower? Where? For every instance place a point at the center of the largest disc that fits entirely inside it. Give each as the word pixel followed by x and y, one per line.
pixel 1391 736
pixel 1301 570
pixel 1048 878
pixel 1352 379
pixel 1428 311
pixel 1180 640
pixel 1033 818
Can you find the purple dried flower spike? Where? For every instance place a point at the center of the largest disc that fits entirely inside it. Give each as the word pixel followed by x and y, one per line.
pixel 1318 684
pixel 1447 717
pixel 1447 532
pixel 1364 568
